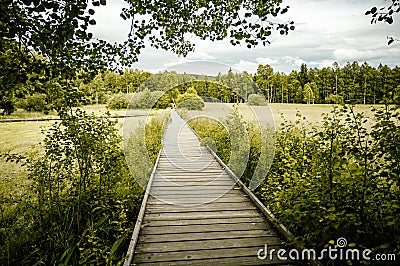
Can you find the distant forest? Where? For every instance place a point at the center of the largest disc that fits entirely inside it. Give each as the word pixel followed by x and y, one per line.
pixel 352 83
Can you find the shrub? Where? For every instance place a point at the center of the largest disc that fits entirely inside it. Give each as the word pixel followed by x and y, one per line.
pixel 334 98
pixel 194 103
pixel 337 180
pixel 190 100
pixel 118 101
pixel 256 99
pixel 36 103
pixel 145 99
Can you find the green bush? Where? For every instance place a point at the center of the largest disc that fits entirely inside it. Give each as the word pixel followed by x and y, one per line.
pixel 145 99
pixel 193 103
pixel 118 101
pixel 190 100
pixel 256 99
pixel 213 134
pixel 334 99
pixel 36 103
pixel 337 180
pixel 85 204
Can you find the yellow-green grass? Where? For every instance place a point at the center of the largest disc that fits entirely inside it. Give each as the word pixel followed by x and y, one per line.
pixel 18 138
pixel 275 112
pixel 24 137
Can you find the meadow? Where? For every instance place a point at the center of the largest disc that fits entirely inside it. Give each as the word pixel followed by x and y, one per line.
pixel 316 161
pixel 24 137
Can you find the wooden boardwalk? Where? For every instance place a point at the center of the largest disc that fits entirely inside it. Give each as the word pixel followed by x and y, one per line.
pixel 193 213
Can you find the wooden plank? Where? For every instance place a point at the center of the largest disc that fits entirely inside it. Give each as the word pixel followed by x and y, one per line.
pixel 154 201
pixel 192 192
pixel 195 188
pixel 199 255
pixel 207 236
pixel 183 183
pixel 213 206
pixel 184 229
pixel 200 210
pixel 201 215
pixel 257 242
pixel 212 221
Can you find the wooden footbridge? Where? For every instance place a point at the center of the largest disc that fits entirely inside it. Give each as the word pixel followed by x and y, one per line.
pixel 195 213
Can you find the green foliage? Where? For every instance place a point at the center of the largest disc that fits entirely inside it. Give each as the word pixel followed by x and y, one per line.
pixel 36 102
pixel 337 180
pixel 340 180
pixel 166 81
pixel 118 101
pixel 142 147
pixel 52 38
pixel 190 100
pixel 334 99
pixel 350 84
pixel 191 103
pixel 85 203
pixel 384 13
pixel 213 134
pixel 256 99
pixel 145 99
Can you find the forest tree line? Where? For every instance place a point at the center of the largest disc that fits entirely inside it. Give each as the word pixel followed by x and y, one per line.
pixel 352 83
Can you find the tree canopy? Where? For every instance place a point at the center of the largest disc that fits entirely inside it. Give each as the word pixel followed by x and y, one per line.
pixel 53 37
pixel 59 30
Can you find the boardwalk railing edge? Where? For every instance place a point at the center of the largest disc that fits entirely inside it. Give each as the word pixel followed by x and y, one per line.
pixel 139 220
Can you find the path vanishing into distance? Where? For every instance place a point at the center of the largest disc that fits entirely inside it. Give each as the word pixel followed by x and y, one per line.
pixel 195 213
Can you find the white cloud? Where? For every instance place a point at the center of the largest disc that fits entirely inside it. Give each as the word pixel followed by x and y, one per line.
pixel 248 66
pixel 109 24
pixel 200 56
pixel 350 54
pixel 294 61
pixel 266 61
pixel 326 31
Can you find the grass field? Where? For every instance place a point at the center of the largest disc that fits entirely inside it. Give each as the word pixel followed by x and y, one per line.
pixel 274 113
pixel 24 137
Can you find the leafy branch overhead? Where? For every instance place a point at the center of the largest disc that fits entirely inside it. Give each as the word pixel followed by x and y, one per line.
pixel 59 30
pixel 385 14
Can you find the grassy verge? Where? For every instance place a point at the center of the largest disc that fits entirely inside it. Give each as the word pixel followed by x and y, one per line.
pixel 76 207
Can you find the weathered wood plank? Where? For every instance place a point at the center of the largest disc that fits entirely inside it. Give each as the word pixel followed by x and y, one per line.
pixel 257 242
pixel 189 256
pixel 200 215
pixel 211 221
pixel 232 199
pixel 206 236
pixel 180 229
pixel 212 206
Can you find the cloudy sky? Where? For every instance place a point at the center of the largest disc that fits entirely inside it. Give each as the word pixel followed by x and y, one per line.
pixel 326 31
